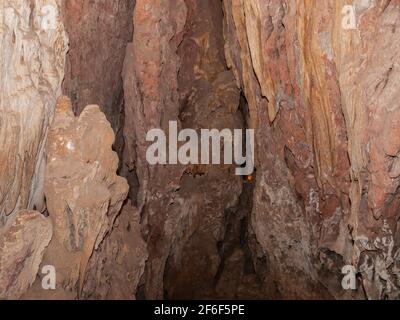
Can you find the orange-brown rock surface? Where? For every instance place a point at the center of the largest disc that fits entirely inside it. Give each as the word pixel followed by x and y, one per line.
pixel 115 271
pixel 323 101
pixel 151 101
pixel 181 75
pixel 83 193
pixel 99 32
pixel 23 241
pixel 317 81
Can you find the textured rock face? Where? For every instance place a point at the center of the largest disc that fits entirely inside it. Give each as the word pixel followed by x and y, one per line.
pixel 318 87
pixel 116 270
pixel 323 100
pixel 186 209
pixel 32 59
pixel 99 32
pixel 22 244
pixel 94 244
pixel 83 193
pixel 151 98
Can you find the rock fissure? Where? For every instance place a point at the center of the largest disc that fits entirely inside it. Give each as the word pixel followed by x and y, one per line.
pixel 82 83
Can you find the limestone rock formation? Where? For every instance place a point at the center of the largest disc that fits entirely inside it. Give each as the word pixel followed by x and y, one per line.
pixel 22 244
pixel 316 80
pixel 32 59
pixel 185 217
pixel 327 150
pixel 116 269
pixel 84 195
pixel 99 32
pixel 151 101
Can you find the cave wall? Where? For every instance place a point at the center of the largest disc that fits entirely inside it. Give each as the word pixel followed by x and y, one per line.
pixel 323 101
pixel 61 165
pixel 208 98
pixel 99 32
pixel 151 101
pixel 321 98
pixel 181 75
pixel 32 65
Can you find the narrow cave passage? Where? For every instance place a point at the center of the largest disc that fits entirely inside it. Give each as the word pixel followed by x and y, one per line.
pixel 211 257
pixel 86 88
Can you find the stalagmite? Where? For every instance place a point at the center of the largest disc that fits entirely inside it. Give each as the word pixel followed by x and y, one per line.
pixel 85 195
